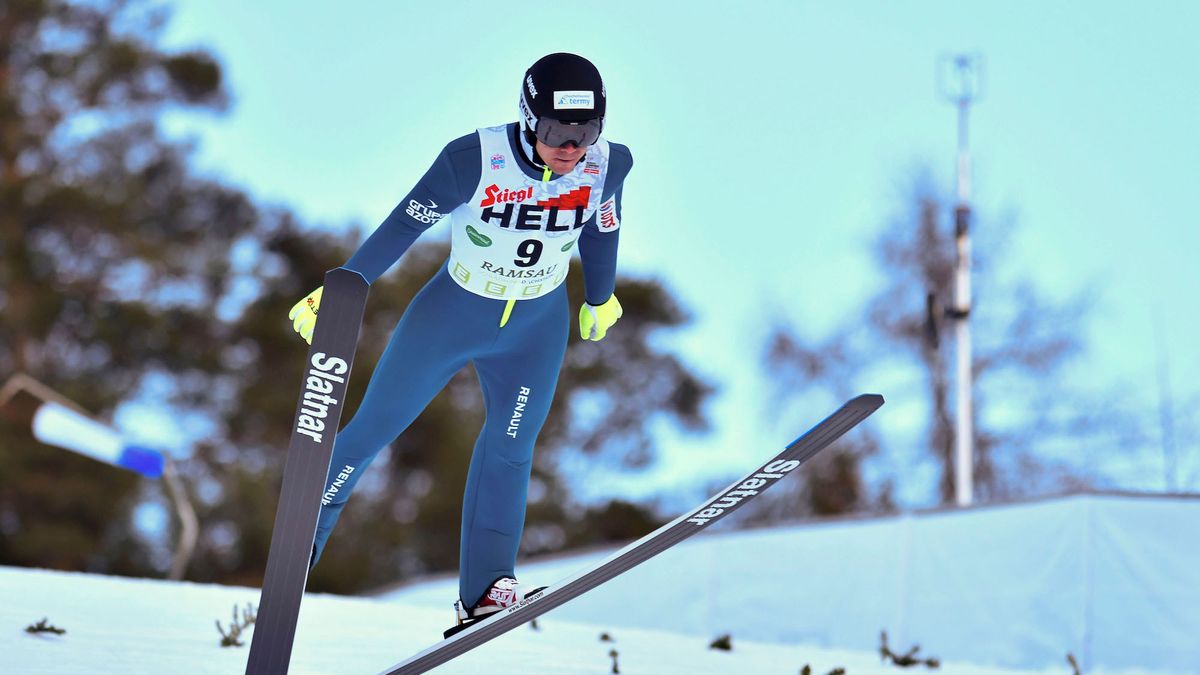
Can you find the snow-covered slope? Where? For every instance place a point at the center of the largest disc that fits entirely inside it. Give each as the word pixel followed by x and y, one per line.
pixel 1107 578
pixel 1113 571
pixel 133 626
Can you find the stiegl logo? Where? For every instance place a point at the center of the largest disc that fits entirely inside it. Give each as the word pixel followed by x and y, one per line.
pixel 318 385
pixel 747 488
pixel 494 194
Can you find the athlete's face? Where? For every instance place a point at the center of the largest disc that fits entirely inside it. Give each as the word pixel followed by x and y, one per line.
pixel 560 160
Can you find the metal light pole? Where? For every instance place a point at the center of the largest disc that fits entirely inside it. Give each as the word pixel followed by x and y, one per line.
pixel 961 80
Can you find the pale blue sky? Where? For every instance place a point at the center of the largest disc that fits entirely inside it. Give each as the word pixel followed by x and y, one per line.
pixel 770 141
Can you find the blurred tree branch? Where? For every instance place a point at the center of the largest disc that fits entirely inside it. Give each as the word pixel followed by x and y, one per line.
pixel 1026 344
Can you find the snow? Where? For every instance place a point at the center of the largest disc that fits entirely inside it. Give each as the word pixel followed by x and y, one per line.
pixel 813 595
pixel 1106 578
pixel 132 626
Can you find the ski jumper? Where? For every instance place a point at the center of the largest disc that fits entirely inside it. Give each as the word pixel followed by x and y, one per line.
pixel 498 303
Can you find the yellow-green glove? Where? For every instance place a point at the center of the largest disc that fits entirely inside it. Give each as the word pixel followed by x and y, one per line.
pixel 595 320
pixel 304 314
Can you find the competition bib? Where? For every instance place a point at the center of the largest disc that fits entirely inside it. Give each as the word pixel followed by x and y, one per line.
pixel 514 238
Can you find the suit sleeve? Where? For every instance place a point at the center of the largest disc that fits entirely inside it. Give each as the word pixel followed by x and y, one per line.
pixel 448 183
pixel 598 242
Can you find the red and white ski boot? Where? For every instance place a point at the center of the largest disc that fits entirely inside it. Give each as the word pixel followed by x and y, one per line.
pixel 503 593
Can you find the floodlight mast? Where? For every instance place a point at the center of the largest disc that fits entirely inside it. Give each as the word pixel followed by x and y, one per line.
pixel 961 83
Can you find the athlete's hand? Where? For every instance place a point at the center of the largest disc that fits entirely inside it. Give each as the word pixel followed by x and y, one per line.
pixel 304 314
pixel 595 320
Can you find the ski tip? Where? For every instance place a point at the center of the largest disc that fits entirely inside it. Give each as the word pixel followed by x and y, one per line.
pixel 872 401
pixel 347 275
pixel 853 411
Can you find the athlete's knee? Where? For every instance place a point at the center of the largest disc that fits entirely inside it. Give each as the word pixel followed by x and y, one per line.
pixel 369 424
pixel 363 438
pixel 517 465
pixel 510 453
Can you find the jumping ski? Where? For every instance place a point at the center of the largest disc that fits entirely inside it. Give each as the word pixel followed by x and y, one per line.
pixel 322 395
pixel 725 502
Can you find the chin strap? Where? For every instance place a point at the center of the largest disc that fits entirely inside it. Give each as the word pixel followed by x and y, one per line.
pixel 530 151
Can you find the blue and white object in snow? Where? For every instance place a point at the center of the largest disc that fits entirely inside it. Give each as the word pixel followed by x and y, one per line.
pixel 56 424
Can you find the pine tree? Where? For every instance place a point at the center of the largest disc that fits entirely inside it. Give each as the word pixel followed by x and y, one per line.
pixel 113 254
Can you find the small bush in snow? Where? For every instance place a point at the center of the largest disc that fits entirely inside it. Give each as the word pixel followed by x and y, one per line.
pixel 905 660
pixel 43 627
pixel 724 643
pixel 237 625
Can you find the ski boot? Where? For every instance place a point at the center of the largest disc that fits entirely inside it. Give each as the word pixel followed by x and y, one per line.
pixel 503 593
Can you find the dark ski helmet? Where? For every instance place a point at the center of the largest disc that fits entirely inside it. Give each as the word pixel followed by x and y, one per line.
pixel 562 101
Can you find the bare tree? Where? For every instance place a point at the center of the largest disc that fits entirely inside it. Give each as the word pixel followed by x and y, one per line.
pixel 1024 401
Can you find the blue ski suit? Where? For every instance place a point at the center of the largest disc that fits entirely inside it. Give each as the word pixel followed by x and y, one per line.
pixel 498 303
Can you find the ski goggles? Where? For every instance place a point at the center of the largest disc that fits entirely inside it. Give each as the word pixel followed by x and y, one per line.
pixel 557 133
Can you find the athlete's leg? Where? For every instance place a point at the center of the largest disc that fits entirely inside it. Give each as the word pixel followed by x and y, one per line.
pixel 518 381
pixel 433 340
